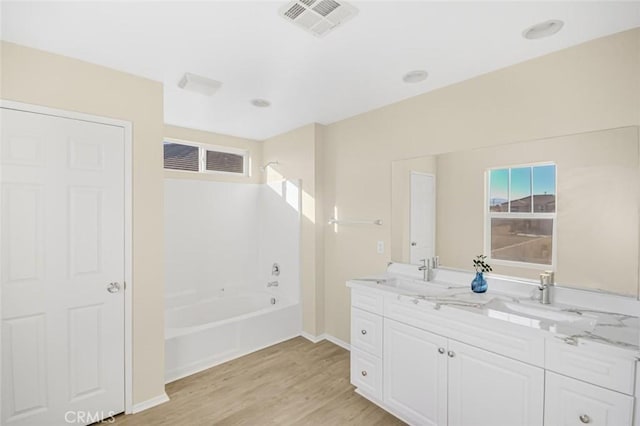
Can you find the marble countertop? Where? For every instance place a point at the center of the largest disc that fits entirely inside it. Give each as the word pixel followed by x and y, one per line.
pixel 573 324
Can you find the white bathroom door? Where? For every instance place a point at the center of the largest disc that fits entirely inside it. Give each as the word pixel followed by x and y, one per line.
pixel 62 244
pixel 422 217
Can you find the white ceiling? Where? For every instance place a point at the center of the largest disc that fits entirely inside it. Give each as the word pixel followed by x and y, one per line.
pixel 257 54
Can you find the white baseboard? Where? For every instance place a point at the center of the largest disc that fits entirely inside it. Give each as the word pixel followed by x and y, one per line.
pixel 149 403
pixel 325 336
pixel 311 337
pixel 337 341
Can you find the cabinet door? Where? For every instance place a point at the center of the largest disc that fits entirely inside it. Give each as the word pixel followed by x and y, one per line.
pixel 570 402
pixel 415 374
pixel 486 389
pixel 366 373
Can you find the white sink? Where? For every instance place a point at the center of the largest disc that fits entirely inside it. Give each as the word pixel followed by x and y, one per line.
pixel 409 286
pixel 525 312
pixel 417 287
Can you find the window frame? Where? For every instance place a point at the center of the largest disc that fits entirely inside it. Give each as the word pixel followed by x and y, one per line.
pixel 202 157
pixel 488 215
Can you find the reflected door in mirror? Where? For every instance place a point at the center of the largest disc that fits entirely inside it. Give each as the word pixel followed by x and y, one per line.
pixel 423 217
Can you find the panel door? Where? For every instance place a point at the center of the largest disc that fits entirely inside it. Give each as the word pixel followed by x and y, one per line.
pixel 415 373
pixel 486 389
pixel 422 217
pixel 62 227
pixel 570 402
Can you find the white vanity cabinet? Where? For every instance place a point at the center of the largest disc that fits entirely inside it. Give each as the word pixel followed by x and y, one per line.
pixel 432 380
pixel 449 367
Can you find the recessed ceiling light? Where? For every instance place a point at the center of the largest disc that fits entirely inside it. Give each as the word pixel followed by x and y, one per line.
pixel 199 84
pixel 543 29
pixel 415 76
pixel 260 103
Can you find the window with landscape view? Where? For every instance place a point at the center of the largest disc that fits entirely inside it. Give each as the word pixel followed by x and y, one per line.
pixel 521 214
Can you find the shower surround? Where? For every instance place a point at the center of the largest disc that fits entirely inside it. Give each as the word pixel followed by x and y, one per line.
pixel 221 242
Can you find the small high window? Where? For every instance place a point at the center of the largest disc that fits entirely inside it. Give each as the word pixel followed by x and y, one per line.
pixel 193 157
pixel 521 215
pixel 181 157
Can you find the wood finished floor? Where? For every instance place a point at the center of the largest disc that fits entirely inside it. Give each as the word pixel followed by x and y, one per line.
pixel 293 383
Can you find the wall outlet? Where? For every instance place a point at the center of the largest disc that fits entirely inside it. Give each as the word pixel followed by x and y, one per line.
pixel 380 247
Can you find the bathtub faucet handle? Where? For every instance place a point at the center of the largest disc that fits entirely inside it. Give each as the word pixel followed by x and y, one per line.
pixel 272 284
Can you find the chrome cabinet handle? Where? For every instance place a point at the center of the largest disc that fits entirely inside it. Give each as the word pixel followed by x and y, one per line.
pixel 441 350
pixel 364 373
pixel 451 354
pixel 413 243
pixel 585 419
pixel 113 287
pixel 363 332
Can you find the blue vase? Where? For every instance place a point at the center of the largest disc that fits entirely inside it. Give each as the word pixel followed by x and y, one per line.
pixel 479 284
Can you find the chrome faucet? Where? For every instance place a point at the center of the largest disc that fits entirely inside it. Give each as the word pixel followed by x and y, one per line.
pixel 427 267
pixel 546 281
pixel 272 284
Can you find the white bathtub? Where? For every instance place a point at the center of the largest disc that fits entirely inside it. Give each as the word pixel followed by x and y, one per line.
pixel 203 331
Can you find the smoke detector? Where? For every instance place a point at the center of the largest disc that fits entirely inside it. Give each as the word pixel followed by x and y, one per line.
pixel 318 17
pixel 199 84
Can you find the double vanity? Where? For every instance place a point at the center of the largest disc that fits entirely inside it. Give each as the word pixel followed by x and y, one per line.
pixel 435 353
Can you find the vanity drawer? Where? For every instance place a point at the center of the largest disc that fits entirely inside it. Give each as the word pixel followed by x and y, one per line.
pixel 366 331
pixel 367 300
pixel 510 340
pixel 570 402
pixel 600 367
pixel 366 373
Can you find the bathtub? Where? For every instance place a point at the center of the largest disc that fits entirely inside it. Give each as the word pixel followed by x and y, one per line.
pixel 202 331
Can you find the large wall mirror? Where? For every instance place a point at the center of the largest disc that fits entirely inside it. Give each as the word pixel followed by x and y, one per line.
pixel 568 203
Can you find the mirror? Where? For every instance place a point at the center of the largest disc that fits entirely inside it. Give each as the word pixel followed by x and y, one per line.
pixel 593 240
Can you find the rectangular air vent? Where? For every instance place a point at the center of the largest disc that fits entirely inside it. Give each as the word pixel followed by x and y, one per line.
pixel 318 17
pixel 325 7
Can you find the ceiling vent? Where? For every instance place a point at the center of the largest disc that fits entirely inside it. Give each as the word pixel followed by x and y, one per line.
pixel 318 17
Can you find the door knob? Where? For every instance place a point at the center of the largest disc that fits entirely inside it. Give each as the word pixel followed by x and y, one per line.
pixel 113 287
pixel 451 354
pixel 363 332
pixel 364 373
pixel 585 419
pixel 441 350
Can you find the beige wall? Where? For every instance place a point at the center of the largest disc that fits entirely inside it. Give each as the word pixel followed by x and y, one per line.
pixel 588 87
pixel 299 156
pixel 41 78
pixel 199 136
